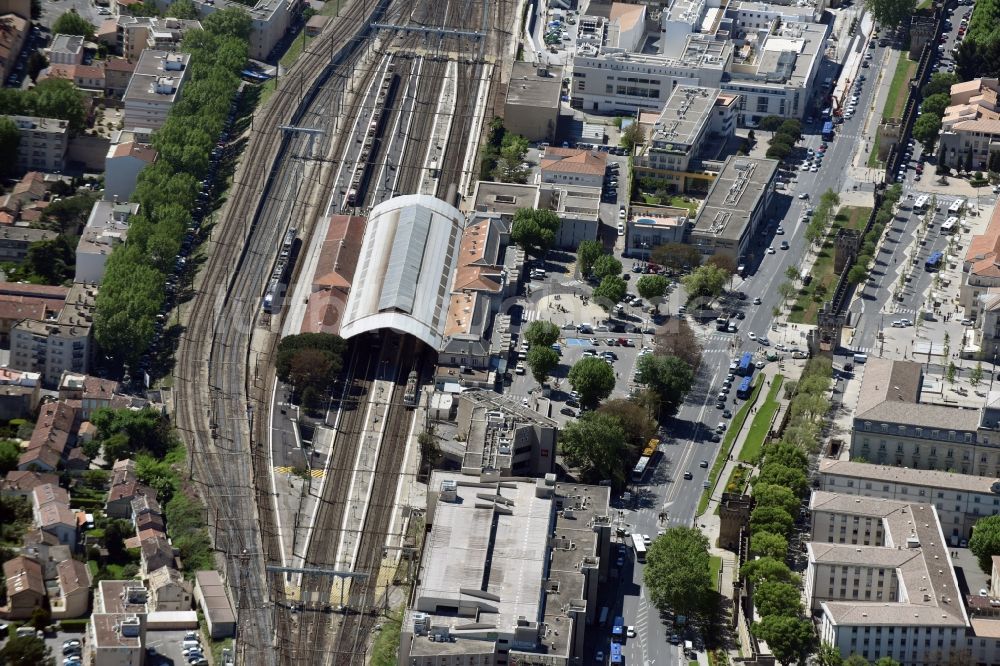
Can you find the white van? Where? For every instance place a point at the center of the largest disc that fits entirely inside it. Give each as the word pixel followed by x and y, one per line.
pixel 860 358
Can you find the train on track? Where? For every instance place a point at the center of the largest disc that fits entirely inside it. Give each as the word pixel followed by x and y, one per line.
pixel 373 137
pixel 412 389
pixel 279 274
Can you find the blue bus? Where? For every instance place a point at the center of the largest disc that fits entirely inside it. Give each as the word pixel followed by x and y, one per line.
pixel 618 630
pixel 933 262
pixel 828 130
pixel 616 654
pixel 745 368
pixel 745 388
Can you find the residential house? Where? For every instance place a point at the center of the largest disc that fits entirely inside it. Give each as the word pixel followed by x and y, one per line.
pixel 93 392
pixel 52 438
pixel 121 495
pixel 30 189
pixel 168 590
pixel 146 514
pixel 122 166
pixel 88 78
pixel 18 483
pixel 25 588
pixel 45 549
pixel 73 599
pixel 156 552
pixel 51 512
pixel 117 74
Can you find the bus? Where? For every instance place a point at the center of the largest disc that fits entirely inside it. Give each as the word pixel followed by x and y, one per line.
pixel 639 471
pixel 639 546
pixel 828 130
pixel 745 388
pixel 602 620
pixel 934 261
pixel 616 653
pixel 949 225
pixel 921 202
pixel 618 629
pixel 745 368
pixel 651 448
pixel 956 206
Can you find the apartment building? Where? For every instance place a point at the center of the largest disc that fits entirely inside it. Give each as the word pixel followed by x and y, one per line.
pixel 736 207
pixel 893 425
pixel 52 346
pixel 510 573
pixel 123 164
pixel 269 20
pixel 960 499
pixel 116 633
pixel 135 34
pixel 107 227
pixel 15 241
pixel 883 582
pixel 649 227
pixel 980 276
pixel 66 50
pixel 695 122
pixel 532 105
pixel 155 87
pixel 12 41
pixel 43 143
pixel 970 128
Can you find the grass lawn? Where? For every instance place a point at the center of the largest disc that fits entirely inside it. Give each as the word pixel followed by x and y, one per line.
pixel 387 643
pixel 926 4
pixel 714 568
pixel 824 280
pixel 735 426
pixel 905 69
pixel 678 201
pixel 761 425
pixel 873 161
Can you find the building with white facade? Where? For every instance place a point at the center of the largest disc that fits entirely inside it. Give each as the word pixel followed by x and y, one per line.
pixel 107 227
pixel 138 33
pixel 510 572
pixel 269 20
pixel 122 166
pixel 66 50
pixel 647 228
pixel 155 87
pixel 572 166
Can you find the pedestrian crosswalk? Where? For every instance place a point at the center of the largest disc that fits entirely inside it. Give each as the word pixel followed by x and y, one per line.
pixel 314 473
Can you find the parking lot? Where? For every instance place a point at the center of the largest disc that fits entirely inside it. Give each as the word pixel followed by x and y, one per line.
pixel 167 647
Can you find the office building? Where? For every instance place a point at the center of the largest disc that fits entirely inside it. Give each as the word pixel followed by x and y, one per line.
pixel 155 87
pixel 532 105
pixel 510 574
pixel 735 209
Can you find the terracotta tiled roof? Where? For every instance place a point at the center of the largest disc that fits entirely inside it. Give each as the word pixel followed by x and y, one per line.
pixel 571 160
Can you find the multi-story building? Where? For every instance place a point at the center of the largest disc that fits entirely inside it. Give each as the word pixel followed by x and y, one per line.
pixel 135 34
pixel 736 208
pixel 510 572
pixel 695 123
pixel 980 275
pixel 881 578
pixel 269 20
pixel 960 499
pixel 168 590
pixel 649 227
pixel 117 74
pixel 107 227
pixel 155 87
pixel 53 346
pixel 11 41
pixel 15 241
pixel 116 633
pixel 123 164
pixel 66 50
pixel 71 597
pixel 43 143
pixel 970 128
pixel 894 426
pixel 572 166
pixel 532 105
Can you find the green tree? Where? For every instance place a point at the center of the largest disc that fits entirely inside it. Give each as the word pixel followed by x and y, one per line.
pixel 856 660
pixel 828 655
pixel 542 361
pixel 677 571
pixel 926 130
pixel 790 477
pixel 632 136
pixel 773 519
pixel 652 286
pixel 889 661
pixel 936 104
pixel 788 455
pixel 668 377
pixel 941 82
pixel 607 266
pixel 705 282
pixel 949 373
pixel 50 261
pixel 985 541
pixel 767 569
pixel 790 638
pixel 766 494
pixel 792 128
pixel 635 420
pixel 10 452
pixel 610 292
pixel 230 22
pixel 977 374
pixel 26 651
pixel 677 338
pixel 10 138
pixel 182 9
pixel 593 378
pixel 676 256
pixel 72 23
pixel 776 598
pixel 771 123
pixel 41 618
pixel 768 544
pixel 777 151
pixel 510 164
pixel 534 230
pixel 541 333
pixel 36 63
pixel 310 359
pixel 724 263
pixel 588 252
pixel 136 430
pixel 595 443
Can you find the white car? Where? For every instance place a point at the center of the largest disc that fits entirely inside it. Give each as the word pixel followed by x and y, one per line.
pixel 519 369
pixel 756 300
pixel 780 230
pixel 621 228
pixel 630 631
pixel 804 195
pixel 770 250
pixel 621 213
pixel 752 335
